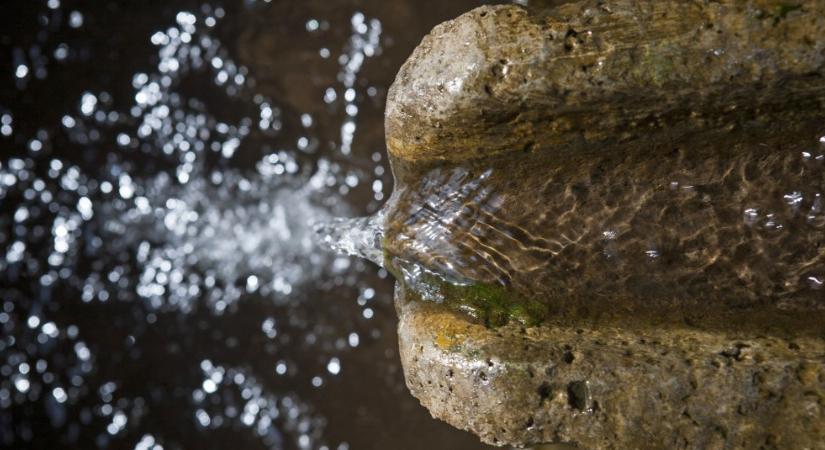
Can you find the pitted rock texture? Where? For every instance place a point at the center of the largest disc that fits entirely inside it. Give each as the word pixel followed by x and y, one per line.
pixel 613 388
pixel 499 79
pixel 652 173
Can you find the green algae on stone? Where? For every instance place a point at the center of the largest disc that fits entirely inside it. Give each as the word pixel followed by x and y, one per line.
pixel 782 10
pixel 493 305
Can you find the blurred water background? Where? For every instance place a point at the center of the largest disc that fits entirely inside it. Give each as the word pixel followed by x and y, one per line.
pixel 160 164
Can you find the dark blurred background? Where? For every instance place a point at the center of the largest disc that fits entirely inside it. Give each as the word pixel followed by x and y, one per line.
pixel 160 163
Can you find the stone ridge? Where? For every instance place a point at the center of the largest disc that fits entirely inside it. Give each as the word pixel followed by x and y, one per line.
pixel 501 78
pixel 613 389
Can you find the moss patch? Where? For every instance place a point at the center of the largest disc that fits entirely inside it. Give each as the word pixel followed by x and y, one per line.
pixel 494 305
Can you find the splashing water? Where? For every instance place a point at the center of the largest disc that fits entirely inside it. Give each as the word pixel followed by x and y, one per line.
pixel 171 230
pixel 359 236
pixel 438 213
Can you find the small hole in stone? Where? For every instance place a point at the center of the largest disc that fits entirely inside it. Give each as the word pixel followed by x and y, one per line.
pixel 544 391
pixel 578 395
pixel 528 147
pixel 568 357
pixel 482 376
pixel 530 422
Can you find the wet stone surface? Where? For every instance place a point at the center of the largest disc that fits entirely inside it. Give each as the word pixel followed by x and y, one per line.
pixel 722 231
pixel 713 221
pixel 613 388
pixel 160 164
pixel 608 224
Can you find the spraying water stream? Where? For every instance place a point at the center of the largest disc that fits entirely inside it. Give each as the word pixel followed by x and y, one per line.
pixel 703 237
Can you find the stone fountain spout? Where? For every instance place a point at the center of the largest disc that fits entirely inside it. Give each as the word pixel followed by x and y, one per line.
pixel 617 208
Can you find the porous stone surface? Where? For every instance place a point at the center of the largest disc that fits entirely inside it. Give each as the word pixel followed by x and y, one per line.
pixel 611 388
pixel 501 79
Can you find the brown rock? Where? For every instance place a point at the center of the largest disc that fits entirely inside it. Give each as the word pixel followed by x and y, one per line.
pixel 684 187
pixel 518 139
pixel 612 388
pixel 499 79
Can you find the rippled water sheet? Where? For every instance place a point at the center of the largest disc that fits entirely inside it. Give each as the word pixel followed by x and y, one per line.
pixel 160 163
pixel 722 231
